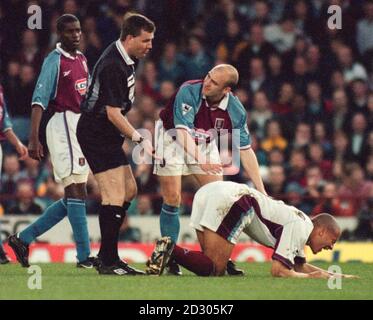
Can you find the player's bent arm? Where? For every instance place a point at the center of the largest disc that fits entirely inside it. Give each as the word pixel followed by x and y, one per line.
pixel 187 143
pixel 251 166
pixel 13 139
pixel 309 268
pixel 281 271
pixel 120 121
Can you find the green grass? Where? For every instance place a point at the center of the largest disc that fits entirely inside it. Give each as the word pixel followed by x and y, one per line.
pixel 65 281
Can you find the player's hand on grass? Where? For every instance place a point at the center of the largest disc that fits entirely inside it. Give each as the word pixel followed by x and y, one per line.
pixel 350 276
pixel 22 151
pixel 35 149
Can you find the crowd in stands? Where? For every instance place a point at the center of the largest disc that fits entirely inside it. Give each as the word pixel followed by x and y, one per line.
pixel 308 90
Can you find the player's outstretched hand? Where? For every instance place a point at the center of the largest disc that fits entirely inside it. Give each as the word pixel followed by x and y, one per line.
pixel 213 168
pixel 35 150
pixel 22 151
pixel 350 276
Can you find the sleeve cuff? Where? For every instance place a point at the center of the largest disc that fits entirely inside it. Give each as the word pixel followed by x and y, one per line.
pixel 180 126
pixel 7 129
pixel 247 147
pixel 38 104
pixel 286 262
pixel 300 260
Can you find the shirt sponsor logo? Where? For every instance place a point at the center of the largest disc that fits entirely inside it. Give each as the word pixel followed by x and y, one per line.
pixel 66 73
pixel 185 108
pixel 219 123
pixel 81 86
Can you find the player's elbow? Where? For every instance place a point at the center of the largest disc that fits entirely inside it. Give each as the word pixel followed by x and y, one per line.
pixel 278 270
pixel 112 113
pixel 275 273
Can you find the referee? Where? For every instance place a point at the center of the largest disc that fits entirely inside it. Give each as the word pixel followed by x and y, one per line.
pixel 102 128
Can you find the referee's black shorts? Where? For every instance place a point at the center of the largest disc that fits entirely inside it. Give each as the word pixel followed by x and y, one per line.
pixel 101 144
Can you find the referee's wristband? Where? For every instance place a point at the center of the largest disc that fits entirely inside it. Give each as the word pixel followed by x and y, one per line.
pixel 137 137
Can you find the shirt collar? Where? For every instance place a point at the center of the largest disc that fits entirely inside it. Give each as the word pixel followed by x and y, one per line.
pixel 65 53
pixel 223 105
pixel 124 53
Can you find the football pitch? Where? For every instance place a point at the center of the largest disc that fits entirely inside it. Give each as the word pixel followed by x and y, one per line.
pixel 65 281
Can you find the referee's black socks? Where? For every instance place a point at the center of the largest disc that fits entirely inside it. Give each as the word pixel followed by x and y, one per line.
pixel 111 219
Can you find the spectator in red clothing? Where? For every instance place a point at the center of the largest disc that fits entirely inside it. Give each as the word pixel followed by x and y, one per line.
pixel 316 157
pixel 355 189
pixel 283 105
pixel 166 91
pixel 330 202
pixel 150 80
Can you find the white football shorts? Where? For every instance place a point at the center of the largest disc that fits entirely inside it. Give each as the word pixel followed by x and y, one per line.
pixel 69 163
pixel 176 161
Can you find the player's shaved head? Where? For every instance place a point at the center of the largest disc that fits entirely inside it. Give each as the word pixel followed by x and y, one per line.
pixel 230 72
pixel 327 221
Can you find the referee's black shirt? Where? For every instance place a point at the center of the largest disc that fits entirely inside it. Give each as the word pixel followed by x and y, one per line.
pixel 112 83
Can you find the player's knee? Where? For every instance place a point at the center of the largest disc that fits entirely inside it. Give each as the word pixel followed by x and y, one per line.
pixel 172 198
pixel 131 192
pixel 114 199
pixel 76 191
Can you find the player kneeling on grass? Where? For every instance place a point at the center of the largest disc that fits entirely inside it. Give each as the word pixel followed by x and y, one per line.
pixel 222 210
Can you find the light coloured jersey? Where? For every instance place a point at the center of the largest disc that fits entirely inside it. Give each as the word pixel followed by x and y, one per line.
pixel 269 222
pixel 62 82
pixel 188 109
